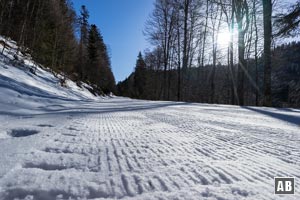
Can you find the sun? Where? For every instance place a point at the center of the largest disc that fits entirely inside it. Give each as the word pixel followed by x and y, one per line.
pixel 224 38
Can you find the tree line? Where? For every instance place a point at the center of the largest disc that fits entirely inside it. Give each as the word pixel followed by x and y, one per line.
pixel 56 37
pixel 189 63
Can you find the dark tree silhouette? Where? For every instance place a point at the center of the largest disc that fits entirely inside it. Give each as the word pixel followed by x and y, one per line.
pixel 289 23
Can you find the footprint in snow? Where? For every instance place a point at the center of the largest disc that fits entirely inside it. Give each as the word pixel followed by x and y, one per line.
pixel 22 132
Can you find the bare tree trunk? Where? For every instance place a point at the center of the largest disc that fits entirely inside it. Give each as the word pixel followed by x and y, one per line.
pixel 54 50
pixel 241 65
pixel 165 49
pixel 179 63
pixel 3 5
pixel 185 47
pixel 241 10
pixel 22 33
pixel 168 34
pixel 215 33
pixel 159 89
pixel 36 35
pixel 191 51
pixel 255 55
pixel 204 37
pixel 9 16
pixel 232 92
pixel 234 95
pixel 267 10
pixel 249 82
pixel 170 74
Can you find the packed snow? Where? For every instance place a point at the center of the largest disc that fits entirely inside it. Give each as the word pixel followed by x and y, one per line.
pixel 65 143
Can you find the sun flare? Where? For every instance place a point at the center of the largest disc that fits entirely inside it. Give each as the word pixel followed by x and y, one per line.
pixel 224 38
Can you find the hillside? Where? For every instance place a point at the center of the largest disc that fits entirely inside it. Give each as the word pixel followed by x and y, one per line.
pixel 60 39
pixel 27 86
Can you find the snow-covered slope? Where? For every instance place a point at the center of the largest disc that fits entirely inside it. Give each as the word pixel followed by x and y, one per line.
pixel 63 143
pixel 20 89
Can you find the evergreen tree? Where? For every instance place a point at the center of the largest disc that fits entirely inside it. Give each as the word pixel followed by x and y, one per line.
pixel 82 52
pixel 99 63
pixel 107 79
pixel 140 76
pixel 94 59
pixel 45 28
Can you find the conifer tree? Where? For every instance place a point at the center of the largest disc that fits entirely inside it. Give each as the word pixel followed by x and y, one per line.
pixel 99 62
pixel 82 52
pixel 94 59
pixel 140 76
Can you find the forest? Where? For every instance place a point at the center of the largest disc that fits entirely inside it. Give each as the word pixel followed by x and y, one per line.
pixel 240 52
pixel 56 37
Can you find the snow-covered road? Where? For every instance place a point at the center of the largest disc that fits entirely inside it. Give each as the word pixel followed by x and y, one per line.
pixel 130 149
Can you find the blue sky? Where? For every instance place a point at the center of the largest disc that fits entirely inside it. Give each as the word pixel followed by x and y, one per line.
pixel 121 23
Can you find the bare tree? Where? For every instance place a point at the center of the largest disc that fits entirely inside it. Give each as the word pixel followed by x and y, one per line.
pixel 256 53
pixel 267 8
pixel 242 19
pixel 215 17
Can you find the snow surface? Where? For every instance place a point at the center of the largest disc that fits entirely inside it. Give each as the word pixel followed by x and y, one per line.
pixel 65 143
